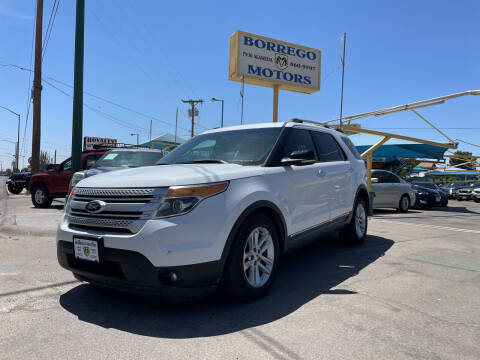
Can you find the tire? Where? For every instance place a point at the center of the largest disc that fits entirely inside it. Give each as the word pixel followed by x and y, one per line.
pixel 477 200
pixel 13 189
pixel 404 204
pixel 240 281
pixel 355 233
pixel 40 196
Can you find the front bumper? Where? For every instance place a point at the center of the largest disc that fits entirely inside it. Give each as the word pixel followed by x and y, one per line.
pixel 463 196
pixel 130 271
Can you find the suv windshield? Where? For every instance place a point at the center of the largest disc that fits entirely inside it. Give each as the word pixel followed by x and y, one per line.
pixel 129 158
pixel 244 147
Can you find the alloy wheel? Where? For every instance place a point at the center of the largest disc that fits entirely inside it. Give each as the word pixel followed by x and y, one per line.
pixel 360 220
pixel 258 257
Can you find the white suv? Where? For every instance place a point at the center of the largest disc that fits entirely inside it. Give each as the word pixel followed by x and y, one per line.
pixel 218 211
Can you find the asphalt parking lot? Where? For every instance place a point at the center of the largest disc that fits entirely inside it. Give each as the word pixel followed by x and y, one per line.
pixel 411 291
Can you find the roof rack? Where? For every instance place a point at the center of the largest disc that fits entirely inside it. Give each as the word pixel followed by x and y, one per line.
pixel 300 121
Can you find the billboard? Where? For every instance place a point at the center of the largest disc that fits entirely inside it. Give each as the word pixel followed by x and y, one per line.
pixel 89 142
pixel 267 62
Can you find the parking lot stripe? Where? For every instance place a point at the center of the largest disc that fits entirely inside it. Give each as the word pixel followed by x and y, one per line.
pixel 428 226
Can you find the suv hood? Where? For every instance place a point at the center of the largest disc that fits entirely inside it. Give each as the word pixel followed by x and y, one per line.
pixel 170 175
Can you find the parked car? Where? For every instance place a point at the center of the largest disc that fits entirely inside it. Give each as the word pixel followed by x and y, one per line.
pixel 219 211
pixel 451 188
pixel 431 186
pixel 118 159
pixel 19 181
pixel 47 185
pixel 427 198
pixel 466 192
pixel 391 191
pixel 476 194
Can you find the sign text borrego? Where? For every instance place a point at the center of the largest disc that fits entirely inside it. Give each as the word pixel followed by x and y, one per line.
pixel 267 62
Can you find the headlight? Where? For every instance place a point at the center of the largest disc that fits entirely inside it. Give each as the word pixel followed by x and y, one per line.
pixel 66 208
pixel 422 193
pixel 180 200
pixel 80 175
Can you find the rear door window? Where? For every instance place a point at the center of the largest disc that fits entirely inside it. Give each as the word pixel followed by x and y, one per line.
pixel 327 147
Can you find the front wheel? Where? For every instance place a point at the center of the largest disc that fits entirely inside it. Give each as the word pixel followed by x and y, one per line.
pixel 477 200
pixel 356 231
pixel 14 190
pixel 253 259
pixel 404 204
pixel 40 197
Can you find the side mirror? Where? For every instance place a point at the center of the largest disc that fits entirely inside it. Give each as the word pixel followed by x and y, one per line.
pixel 374 180
pixel 299 158
pixel 57 167
pixel 90 164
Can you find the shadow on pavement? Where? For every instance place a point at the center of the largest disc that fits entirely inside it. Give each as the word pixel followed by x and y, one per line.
pixel 303 276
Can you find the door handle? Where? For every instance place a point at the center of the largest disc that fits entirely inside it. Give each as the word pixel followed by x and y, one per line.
pixel 321 173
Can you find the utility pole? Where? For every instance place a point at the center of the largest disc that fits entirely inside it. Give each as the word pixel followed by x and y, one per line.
pixel 55 157
pixel 192 103
pixel 150 132
pixel 37 90
pixel 77 119
pixel 176 125
pixel 343 74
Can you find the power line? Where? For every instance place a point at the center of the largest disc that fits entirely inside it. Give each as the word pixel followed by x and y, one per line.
pixel 98 97
pixel 51 21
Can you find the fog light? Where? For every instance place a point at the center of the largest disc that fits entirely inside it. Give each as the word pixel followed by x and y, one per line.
pixel 172 277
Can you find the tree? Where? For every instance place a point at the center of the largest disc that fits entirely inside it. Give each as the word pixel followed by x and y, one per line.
pixel 460 158
pixel 44 157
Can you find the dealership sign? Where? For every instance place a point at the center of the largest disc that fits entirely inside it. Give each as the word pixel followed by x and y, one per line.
pixel 89 142
pixel 269 62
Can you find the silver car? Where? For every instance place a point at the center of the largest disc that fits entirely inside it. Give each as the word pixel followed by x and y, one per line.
pixel 391 191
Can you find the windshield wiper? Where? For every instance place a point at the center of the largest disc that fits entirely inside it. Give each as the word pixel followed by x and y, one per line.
pixel 204 161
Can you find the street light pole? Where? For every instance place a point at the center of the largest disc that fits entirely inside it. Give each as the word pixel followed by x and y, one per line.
pixel 213 100
pixel 137 136
pixel 18 135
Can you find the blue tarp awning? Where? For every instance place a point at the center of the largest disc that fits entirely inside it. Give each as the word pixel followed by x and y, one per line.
pixel 414 151
pixel 452 173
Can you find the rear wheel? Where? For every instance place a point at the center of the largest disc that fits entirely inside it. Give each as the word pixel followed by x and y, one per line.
pixel 13 189
pixel 356 231
pixel 404 204
pixel 253 259
pixel 40 196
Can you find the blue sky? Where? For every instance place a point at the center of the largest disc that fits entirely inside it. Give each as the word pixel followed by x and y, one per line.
pixel 147 55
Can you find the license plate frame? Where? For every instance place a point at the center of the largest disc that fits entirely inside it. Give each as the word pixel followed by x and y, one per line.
pixel 438 198
pixel 88 248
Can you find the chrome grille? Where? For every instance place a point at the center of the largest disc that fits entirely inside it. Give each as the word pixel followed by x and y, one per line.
pixel 125 210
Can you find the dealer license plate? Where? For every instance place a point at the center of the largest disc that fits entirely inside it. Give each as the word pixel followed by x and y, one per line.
pixel 86 249
pixel 437 198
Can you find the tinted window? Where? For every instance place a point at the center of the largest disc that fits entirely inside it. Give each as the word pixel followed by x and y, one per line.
pixel 352 147
pixel 297 140
pixel 328 148
pixel 381 176
pixel 392 178
pixel 67 164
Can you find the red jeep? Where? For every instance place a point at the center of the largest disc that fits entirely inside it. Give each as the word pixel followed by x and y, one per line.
pixel 45 186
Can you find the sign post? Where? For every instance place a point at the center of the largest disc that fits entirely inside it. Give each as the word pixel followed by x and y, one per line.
pixel 262 61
